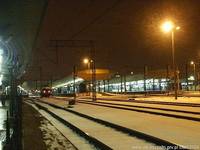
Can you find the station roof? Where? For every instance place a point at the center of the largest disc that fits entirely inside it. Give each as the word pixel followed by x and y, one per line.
pixel 104 74
pixel 101 74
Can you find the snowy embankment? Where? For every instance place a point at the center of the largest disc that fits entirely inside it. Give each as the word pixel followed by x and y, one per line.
pixel 53 138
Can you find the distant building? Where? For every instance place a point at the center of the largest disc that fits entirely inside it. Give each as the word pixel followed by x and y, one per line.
pixel 151 81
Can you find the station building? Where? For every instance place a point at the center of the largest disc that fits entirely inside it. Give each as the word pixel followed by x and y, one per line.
pixel 158 81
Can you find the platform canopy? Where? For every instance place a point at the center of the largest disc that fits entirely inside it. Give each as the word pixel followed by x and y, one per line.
pixel 101 74
pixel 161 73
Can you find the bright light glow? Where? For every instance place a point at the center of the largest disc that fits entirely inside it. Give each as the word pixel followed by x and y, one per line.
pixel 1 78
pixel 86 61
pixel 68 83
pixel 177 28
pixel 117 75
pixel 1 51
pixel 167 26
pixel 1 59
pixel 22 89
pixel 191 78
pixel 192 62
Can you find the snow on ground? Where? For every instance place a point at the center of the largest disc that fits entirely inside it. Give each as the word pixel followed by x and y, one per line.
pixel 172 99
pixel 167 128
pixel 53 139
pixel 102 133
pixel 187 97
pixel 171 107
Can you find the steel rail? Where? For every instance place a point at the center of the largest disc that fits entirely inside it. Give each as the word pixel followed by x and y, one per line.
pixel 160 142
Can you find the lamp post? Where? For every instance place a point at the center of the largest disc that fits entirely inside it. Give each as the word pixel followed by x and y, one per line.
pixel 91 66
pixel 194 72
pixel 87 62
pixel 169 26
pixel 74 80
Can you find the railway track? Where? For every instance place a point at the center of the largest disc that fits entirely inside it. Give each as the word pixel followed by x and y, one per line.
pixel 174 113
pixel 153 102
pixel 113 136
pixel 149 107
pixel 78 138
pixel 179 114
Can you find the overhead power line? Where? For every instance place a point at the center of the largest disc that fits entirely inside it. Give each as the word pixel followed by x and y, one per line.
pixel 96 19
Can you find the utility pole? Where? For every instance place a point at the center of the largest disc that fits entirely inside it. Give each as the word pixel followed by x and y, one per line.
pixel 77 44
pixel 194 69
pixel 174 67
pixel 74 85
pixel 104 86
pixel 108 81
pixel 93 71
pixel 51 82
pixel 121 82
pixel 186 76
pixel 145 76
pixel 57 44
pixel 36 85
pixel 125 90
pixel 168 79
pixel 40 77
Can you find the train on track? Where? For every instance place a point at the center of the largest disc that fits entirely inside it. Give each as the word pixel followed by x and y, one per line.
pixel 46 92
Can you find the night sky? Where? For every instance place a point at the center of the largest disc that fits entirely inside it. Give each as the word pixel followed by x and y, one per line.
pixel 127 34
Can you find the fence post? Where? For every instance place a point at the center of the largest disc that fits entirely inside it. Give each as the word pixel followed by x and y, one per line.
pixel 7 129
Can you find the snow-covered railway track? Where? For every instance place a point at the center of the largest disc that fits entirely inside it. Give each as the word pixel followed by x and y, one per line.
pixel 113 135
pixel 153 102
pixel 80 139
pixel 147 107
pixel 179 114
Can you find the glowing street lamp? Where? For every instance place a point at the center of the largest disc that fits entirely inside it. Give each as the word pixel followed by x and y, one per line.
pixel 194 71
pixel 167 27
pixel 85 60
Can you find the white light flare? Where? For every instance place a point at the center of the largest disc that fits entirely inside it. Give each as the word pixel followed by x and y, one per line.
pixel 1 78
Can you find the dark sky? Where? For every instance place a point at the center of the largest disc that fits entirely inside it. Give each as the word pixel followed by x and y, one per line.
pixel 127 33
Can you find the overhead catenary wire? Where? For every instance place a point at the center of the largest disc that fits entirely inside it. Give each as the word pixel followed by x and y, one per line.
pixel 92 22
pixel 79 13
pixel 97 18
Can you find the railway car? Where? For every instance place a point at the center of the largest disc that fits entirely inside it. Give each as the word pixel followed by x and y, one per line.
pixel 46 92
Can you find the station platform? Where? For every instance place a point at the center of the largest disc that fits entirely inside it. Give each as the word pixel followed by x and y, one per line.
pixel 32 135
pixel 39 133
